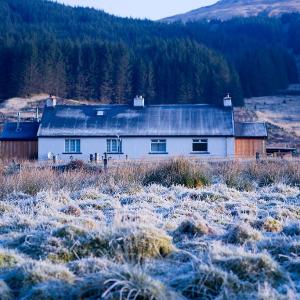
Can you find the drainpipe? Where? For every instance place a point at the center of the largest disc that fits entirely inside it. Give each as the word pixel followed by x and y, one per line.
pixel 18 122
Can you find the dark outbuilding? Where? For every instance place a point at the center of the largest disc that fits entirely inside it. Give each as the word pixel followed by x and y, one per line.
pixel 18 140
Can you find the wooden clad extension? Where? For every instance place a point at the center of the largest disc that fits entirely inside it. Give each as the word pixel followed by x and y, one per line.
pixel 18 140
pixel 26 150
pixel 250 138
pixel 248 147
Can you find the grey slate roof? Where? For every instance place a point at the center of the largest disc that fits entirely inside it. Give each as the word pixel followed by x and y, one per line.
pixel 125 120
pixel 28 131
pixel 251 130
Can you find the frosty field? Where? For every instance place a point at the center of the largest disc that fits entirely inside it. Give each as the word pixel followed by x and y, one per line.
pixel 223 231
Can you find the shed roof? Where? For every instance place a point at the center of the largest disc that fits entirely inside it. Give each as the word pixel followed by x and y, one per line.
pixel 251 130
pixel 27 131
pixel 125 120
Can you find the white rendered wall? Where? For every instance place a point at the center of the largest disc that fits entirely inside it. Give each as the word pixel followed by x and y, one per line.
pixel 137 148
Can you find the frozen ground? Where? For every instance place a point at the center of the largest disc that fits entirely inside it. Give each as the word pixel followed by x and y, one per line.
pixel 135 242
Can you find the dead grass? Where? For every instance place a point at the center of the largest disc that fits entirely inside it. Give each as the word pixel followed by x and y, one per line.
pixel 194 174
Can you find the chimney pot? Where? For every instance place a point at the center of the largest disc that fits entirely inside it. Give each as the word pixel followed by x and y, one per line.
pixel 139 101
pixel 227 101
pixel 51 102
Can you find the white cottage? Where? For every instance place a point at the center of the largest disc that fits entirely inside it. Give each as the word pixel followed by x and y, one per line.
pixel 137 131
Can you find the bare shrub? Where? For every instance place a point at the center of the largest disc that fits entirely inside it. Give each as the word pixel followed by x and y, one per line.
pixel 178 172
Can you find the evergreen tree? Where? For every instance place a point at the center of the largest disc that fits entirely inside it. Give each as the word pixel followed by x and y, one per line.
pixel 83 53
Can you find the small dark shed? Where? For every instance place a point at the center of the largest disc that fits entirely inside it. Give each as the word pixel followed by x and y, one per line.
pixel 18 140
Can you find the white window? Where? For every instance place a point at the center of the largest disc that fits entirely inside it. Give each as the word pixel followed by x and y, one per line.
pixel 200 145
pixel 158 146
pixel 114 145
pixel 72 146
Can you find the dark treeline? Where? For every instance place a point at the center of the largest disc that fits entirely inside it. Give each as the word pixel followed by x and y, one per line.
pixel 85 53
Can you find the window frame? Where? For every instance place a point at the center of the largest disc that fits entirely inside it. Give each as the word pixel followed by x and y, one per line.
pixel 158 142
pixel 200 141
pixel 72 146
pixel 109 146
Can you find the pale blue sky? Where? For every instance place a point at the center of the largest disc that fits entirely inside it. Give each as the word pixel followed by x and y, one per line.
pixel 151 9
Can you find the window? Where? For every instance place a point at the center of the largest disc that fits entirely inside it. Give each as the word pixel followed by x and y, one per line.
pixel 72 146
pixel 200 145
pixel 158 146
pixel 114 146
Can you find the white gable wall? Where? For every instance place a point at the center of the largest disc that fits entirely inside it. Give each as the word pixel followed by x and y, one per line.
pixel 136 148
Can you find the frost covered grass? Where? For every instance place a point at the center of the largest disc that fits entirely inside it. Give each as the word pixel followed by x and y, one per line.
pixel 173 230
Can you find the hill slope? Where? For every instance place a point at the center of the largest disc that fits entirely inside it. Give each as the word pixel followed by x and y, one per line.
pixel 227 9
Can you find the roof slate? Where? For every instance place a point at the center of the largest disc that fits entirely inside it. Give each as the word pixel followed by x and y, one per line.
pixel 251 130
pixel 125 120
pixel 28 131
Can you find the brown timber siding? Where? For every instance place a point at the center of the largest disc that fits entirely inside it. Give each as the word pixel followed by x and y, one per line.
pixel 249 147
pixel 18 150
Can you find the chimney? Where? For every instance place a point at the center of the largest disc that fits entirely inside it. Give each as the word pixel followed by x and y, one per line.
pixel 51 101
pixel 139 101
pixel 227 101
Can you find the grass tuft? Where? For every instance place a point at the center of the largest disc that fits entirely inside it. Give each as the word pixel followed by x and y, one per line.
pixel 242 233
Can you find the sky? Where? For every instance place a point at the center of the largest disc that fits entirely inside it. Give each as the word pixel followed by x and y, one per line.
pixel 150 9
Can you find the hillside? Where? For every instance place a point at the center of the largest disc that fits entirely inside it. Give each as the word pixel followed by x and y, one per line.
pixel 228 9
pixel 81 53
pixel 280 112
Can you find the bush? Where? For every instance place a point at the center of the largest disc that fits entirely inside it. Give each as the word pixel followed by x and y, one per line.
pixel 177 172
pixel 75 165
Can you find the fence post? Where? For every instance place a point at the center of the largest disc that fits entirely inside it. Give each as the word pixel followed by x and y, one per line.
pixel 105 162
pixel 257 155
